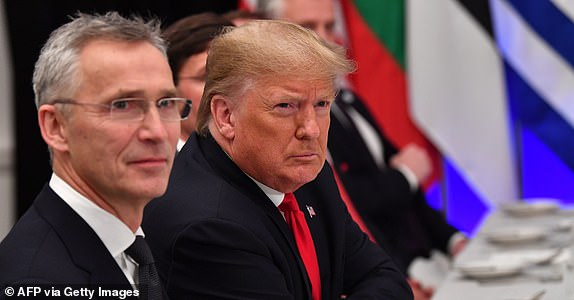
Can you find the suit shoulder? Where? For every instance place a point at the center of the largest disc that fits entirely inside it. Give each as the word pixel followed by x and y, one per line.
pixel 33 250
pixel 198 200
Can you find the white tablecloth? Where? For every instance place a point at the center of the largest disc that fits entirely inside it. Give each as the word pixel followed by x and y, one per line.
pixel 533 278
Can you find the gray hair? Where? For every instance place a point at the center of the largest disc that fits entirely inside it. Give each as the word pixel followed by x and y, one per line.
pixel 263 51
pixel 56 73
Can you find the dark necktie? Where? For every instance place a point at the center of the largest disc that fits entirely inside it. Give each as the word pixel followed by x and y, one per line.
pixel 296 220
pixel 149 285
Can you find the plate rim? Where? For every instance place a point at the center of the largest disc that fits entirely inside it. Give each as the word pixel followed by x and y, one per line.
pixel 499 270
pixel 522 234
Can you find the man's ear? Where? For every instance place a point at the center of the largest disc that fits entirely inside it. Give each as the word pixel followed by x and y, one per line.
pixel 222 114
pixel 52 127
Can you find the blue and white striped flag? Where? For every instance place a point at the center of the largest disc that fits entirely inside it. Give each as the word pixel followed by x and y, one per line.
pixel 492 85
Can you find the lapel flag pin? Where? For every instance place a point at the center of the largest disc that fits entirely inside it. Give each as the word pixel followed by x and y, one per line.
pixel 311 211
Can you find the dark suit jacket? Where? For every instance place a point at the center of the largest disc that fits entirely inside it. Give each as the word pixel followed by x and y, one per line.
pixel 400 219
pixel 51 244
pixel 216 235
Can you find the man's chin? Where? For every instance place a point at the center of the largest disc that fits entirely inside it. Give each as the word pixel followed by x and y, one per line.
pixel 307 175
pixel 151 190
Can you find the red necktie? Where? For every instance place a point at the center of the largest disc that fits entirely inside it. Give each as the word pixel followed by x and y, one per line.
pixel 296 220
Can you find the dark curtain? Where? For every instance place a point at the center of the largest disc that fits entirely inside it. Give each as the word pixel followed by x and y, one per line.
pixel 29 24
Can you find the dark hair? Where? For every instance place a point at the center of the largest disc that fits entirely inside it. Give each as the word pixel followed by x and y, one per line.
pixel 191 35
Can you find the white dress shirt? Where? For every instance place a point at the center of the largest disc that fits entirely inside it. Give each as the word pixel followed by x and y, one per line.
pixel 371 137
pixel 115 234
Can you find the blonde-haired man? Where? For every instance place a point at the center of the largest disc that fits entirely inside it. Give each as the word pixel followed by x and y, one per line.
pixel 225 230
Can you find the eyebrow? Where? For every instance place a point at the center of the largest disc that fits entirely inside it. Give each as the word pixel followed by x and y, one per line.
pixel 141 93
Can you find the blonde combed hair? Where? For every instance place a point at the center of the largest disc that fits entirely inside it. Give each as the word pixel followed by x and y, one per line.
pixel 262 51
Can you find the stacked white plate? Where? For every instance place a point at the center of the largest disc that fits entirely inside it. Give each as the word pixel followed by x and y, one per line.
pixel 537 207
pixel 489 268
pixel 515 235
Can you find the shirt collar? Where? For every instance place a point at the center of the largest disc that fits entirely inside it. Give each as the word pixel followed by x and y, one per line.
pixel 115 234
pixel 275 196
pixel 180 144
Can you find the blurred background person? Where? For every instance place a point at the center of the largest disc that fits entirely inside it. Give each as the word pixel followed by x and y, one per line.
pixel 108 113
pixel 241 16
pixel 382 181
pixel 188 43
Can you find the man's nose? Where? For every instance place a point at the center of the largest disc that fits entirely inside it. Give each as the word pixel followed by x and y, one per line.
pixel 153 127
pixel 309 127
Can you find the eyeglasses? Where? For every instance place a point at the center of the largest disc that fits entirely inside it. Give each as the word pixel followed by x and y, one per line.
pixel 134 109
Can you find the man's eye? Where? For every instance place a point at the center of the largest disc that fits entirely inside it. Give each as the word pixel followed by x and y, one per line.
pixel 165 103
pixel 120 105
pixel 283 105
pixel 323 104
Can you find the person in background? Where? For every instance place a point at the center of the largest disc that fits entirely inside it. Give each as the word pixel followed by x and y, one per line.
pixel 383 182
pixel 107 111
pixel 240 16
pixel 188 42
pixel 252 210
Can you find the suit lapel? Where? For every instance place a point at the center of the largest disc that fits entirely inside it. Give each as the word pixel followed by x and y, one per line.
pixel 389 149
pixel 229 171
pixel 84 246
pixel 344 132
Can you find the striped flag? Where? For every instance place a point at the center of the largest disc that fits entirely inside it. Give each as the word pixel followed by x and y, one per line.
pixel 458 94
pixel 535 39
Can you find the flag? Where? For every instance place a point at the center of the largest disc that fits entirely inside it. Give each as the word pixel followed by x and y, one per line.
pixel 534 37
pixel 458 94
pixel 375 39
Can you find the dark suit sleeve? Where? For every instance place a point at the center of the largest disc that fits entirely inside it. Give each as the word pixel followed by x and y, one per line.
pixel 385 195
pixel 387 190
pixel 369 271
pixel 439 230
pixel 218 259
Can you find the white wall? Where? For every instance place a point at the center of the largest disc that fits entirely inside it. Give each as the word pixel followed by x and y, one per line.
pixel 7 166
